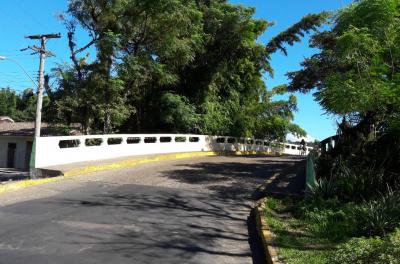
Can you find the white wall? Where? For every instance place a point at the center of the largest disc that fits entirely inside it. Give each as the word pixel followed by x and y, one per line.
pixel 20 152
pixel 49 153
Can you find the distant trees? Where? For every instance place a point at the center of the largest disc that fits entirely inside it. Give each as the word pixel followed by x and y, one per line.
pixel 20 107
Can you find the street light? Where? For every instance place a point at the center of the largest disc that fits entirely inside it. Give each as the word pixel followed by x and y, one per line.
pixel 22 68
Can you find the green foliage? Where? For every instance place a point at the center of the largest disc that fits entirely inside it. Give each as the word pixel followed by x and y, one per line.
pixel 336 219
pixel 357 70
pixel 380 216
pixel 8 102
pixel 294 34
pixel 368 250
pixel 325 188
pixel 20 107
pixel 330 231
pixel 272 203
pixel 329 219
pixel 294 237
pixel 164 65
pixel 177 112
pixel 356 75
pixel 358 250
pixel 363 176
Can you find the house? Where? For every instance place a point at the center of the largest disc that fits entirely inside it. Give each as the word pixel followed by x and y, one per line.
pixel 16 141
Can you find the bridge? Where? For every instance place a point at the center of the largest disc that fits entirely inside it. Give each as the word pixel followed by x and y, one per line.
pixel 53 151
pixel 192 210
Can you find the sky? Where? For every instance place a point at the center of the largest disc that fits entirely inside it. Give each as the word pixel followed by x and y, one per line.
pixel 19 18
pixel 284 13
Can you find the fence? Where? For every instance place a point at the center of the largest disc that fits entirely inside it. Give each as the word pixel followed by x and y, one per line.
pixel 51 151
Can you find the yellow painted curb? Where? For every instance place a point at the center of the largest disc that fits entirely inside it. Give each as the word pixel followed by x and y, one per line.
pixel 26 183
pixel 265 234
pixel 119 165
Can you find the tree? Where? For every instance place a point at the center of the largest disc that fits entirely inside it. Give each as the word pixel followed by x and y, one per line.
pixel 356 75
pixel 164 65
pixel 177 112
pixel 102 101
pixel 158 39
pixel 8 102
pixel 20 107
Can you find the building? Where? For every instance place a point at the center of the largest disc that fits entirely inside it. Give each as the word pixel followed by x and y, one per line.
pixel 16 141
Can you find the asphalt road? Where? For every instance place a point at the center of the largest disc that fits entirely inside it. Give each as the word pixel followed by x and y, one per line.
pixel 186 211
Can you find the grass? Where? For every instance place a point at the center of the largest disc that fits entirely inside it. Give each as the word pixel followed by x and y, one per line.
pixel 334 232
pixel 296 240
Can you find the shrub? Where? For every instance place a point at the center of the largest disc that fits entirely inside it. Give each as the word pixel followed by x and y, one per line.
pixel 324 189
pixel 272 203
pixel 331 219
pixel 380 216
pixel 357 251
pixel 368 250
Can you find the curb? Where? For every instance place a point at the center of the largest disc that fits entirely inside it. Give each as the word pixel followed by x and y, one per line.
pixel 265 234
pixel 26 183
pixel 50 175
pixel 263 230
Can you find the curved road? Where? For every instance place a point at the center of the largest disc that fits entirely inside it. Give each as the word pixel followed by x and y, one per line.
pixel 184 211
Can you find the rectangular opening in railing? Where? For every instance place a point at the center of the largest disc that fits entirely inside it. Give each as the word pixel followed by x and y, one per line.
pixel 69 143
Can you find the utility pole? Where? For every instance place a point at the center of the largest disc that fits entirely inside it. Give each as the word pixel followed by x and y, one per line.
pixel 43 53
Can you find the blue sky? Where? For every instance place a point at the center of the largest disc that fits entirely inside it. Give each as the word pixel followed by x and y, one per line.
pixel 19 18
pixel 285 13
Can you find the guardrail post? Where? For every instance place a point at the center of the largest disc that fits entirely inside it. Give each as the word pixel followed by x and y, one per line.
pixel 311 179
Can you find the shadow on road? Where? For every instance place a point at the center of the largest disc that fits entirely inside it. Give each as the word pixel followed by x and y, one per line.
pixel 239 180
pixel 164 224
pixel 189 224
pixel 131 223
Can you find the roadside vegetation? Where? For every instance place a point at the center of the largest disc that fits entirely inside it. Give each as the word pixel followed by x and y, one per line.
pixel 352 214
pixel 329 231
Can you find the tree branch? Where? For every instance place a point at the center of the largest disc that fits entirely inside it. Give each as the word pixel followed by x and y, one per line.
pixel 294 33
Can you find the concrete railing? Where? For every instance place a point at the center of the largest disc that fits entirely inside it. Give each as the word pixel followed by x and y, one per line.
pixel 52 151
pixel 329 143
pixel 295 149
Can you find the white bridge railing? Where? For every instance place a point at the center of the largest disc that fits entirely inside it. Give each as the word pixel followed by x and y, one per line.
pixel 52 151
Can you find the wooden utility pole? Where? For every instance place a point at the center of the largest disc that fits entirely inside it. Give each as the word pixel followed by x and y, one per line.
pixel 43 53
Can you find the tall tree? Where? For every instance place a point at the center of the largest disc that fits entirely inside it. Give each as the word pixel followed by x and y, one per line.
pixel 174 66
pixel 356 73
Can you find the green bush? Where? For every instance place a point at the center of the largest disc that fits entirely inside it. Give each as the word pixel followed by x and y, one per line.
pixel 368 250
pixel 380 216
pixel 361 176
pixel 272 203
pixel 329 219
pixel 326 188
pixel 336 220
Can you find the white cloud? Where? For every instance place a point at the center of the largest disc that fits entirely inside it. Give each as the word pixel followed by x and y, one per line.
pixel 292 137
